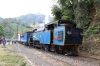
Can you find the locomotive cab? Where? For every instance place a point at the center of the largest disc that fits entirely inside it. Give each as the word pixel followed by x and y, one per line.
pixel 65 33
pixel 66 36
pixel 50 27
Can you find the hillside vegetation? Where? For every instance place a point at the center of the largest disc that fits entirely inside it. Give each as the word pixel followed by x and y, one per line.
pixel 10 26
pixel 30 18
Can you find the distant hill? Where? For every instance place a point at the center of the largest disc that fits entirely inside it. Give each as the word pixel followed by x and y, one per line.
pixel 30 18
pixel 10 24
pixel 1 18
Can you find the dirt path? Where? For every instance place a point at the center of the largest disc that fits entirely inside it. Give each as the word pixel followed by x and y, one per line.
pixel 31 57
pixel 37 57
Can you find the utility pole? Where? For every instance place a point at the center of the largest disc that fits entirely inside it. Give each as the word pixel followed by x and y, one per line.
pixel 22 31
pixel 17 31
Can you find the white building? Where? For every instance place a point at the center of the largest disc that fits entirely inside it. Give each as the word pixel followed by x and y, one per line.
pixel 37 25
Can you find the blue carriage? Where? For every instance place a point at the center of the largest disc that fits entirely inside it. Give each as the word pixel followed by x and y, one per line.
pixel 24 38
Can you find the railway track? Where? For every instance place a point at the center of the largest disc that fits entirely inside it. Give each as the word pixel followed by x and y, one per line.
pixel 69 60
pixel 46 58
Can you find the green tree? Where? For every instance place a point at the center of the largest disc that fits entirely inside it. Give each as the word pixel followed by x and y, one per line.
pixel 56 11
pixel 75 10
pixel 2 33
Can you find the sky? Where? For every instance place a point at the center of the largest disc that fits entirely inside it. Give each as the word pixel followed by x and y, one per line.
pixel 15 8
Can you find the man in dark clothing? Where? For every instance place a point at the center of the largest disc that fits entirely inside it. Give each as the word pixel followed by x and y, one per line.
pixel 31 41
pixel 4 41
pixel 0 40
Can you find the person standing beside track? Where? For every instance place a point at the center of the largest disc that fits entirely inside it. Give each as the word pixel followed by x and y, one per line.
pixel 4 41
pixel 0 40
pixel 14 41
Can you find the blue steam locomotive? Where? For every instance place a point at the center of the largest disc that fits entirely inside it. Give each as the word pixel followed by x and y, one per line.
pixel 61 36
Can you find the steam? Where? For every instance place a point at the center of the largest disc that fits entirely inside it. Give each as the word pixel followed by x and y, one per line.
pixel 46 19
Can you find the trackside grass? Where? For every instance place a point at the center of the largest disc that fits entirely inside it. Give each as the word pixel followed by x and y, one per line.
pixel 9 58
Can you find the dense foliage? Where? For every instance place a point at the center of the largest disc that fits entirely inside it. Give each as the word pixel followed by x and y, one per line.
pixel 9 26
pixel 2 33
pixel 82 12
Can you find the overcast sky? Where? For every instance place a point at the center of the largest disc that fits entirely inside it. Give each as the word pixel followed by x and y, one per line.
pixel 15 8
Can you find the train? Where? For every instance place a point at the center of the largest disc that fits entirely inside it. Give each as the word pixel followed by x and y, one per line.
pixel 61 36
